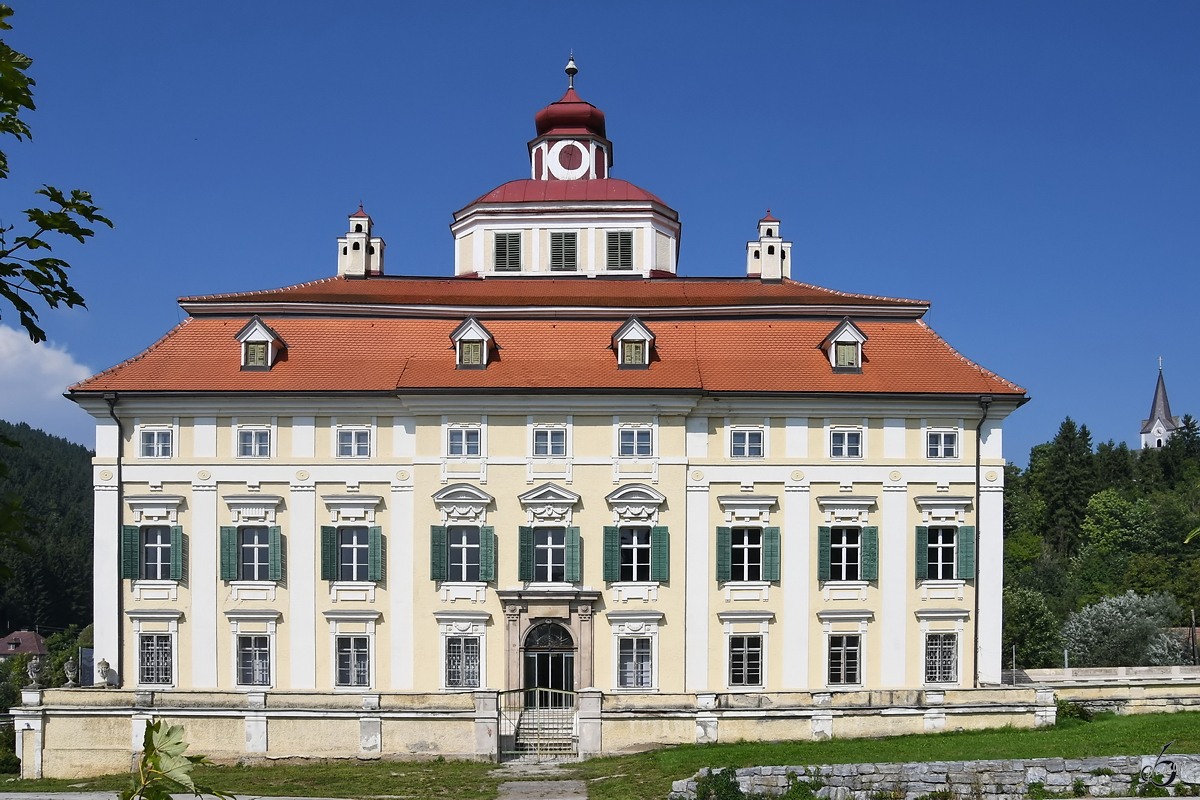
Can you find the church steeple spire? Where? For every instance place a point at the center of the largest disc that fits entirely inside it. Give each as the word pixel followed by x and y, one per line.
pixel 571 144
pixel 1161 425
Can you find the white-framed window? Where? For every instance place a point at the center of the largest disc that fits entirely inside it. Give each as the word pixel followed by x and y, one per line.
pixel 252 632
pixel 619 250
pixel 942 554
pixel 746 545
pixel 941 658
pixel 941 444
pixel 549 554
pixel 844 345
pixel 352 648
pixel 253 442
pixel 462 543
pixel 156 552
pixel 463 659
pixel 156 659
pixel 353 666
pixel 156 442
pixel 550 442
pixel 747 443
pixel 463 442
pixel 635 649
pixel 564 251
pixel 745 659
pixel 635 553
pixel 507 257
pixel 845 659
pixel 463 648
pixel 635 442
pixel 254 553
pixel 353 553
pixel 254 659
pixel 353 442
pixel 635 662
pixel 632 343
pixel 846 443
pixel 845 553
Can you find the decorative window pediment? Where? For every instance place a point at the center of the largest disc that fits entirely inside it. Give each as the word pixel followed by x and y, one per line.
pixel 472 344
pixel 462 502
pixel 261 345
pixel 844 346
pixel 634 503
pixel 352 507
pixel 253 507
pixel 943 508
pixel 747 507
pixel 633 342
pixel 845 508
pixel 154 507
pixel 549 503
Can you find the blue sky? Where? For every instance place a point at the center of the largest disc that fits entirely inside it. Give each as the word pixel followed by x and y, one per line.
pixel 1030 168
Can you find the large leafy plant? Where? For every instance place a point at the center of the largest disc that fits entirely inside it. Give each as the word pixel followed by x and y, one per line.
pixel 164 769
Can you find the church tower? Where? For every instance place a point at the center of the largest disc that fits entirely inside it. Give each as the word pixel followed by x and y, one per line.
pixel 1157 430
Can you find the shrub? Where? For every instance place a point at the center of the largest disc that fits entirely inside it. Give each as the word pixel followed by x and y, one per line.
pixel 719 785
pixel 1069 710
pixel 1122 631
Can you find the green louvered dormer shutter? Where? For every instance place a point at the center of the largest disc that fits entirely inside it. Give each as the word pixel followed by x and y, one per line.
pixel 525 554
pixel 329 552
pixel 275 553
pixel 376 558
pixel 487 553
pixel 179 554
pixel 869 566
pixel 922 553
pixel 574 573
pixel 824 546
pixel 612 553
pixel 437 553
pixel 229 553
pixel 660 553
pixel 966 552
pixel 130 551
pixel 770 559
pixel 724 553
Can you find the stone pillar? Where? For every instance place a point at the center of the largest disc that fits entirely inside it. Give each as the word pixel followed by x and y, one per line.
pixel 256 734
pixel 29 723
pixel 590 738
pixel 370 737
pixel 512 620
pixel 706 719
pixel 586 650
pixel 1046 713
pixel 487 725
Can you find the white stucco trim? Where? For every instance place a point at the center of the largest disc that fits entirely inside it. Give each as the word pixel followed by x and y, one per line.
pixel 402 588
pixel 697 560
pixel 895 576
pixel 203 583
pixel 796 583
pixel 462 623
pixel 302 586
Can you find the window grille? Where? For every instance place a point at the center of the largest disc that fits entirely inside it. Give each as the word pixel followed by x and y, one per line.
pixel 464 552
pixel 254 661
pixel 845 444
pixel 508 252
pixel 941 554
pixel 620 249
pixel 353 661
pixel 156 444
pixel 550 554
pixel 635 554
pixel 745 660
pixel 634 669
pixel 746 564
pixel 844 554
pixel 254 443
pixel 941 658
pixel 462 661
pixel 550 442
pixel 256 554
pixel 354 550
pixel 354 443
pixel 747 444
pixel 154 659
pixel 564 254
pixel 843 659
pixel 156 553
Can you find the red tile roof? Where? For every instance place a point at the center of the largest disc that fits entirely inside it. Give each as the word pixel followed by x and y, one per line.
pixel 19 642
pixel 597 190
pixel 397 355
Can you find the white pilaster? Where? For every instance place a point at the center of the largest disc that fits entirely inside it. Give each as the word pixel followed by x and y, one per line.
pixel 797 437
pixel 893 438
pixel 699 574
pixel 696 437
pixel 797 581
pixel 400 577
pixel 106 571
pixel 204 437
pixel 404 437
pixel 989 581
pixel 304 437
pixel 993 439
pixel 894 564
pixel 204 583
pixel 302 586
pixel 107 438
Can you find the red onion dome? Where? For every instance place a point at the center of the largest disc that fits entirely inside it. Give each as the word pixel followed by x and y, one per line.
pixel 570 115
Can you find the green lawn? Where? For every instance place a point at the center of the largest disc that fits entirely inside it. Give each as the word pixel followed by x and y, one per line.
pixel 648 776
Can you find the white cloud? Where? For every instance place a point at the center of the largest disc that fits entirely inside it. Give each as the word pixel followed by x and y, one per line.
pixel 32 380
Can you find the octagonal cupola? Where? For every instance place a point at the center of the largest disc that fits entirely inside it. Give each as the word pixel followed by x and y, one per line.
pixel 571 143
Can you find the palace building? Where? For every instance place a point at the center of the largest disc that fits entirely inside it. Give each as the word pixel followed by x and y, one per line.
pixel 564 488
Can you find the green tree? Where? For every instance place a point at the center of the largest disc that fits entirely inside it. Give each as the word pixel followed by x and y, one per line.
pixel 1030 626
pixel 1065 478
pixel 1114 523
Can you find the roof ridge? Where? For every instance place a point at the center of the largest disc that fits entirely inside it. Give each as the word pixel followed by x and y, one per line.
pixel 966 360
pixel 132 359
pixel 855 294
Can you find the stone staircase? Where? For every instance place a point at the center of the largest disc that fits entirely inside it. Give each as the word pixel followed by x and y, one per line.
pixel 546 732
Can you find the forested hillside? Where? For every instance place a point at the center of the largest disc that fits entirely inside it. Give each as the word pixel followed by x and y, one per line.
pixel 51 585
pixel 1083 523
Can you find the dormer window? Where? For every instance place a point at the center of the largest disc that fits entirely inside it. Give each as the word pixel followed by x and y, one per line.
pixel 261 346
pixel 844 347
pixel 632 343
pixel 472 342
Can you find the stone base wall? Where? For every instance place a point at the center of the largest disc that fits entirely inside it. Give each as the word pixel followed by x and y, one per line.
pixel 1115 776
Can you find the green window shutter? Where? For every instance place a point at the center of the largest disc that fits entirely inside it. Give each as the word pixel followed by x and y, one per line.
pixel 375 554
pixel 275 539
pixel 770 562
pixel 179 554
pixel 574 574
pixel 329 561
pixel 487 553
pixel 824 545
pixel 922 553
pixel 130 551
pixel 660 554
pixel 966 552
pixel 229 553
pixel 437 553
pixel 724 553
pixel 869 568
pixel 612 553
pixel 525 554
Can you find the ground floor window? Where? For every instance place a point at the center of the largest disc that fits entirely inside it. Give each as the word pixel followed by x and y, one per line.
pixel 254 661
pixel 462 661
pixel 941 658
pixel 745 660
pixel 155 659
pixel 844 659
pixel 353 661
pixel 635 663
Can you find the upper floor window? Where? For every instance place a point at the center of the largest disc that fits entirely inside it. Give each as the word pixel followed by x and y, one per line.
pixel 942 556
pixel 260 345
pixel 847 354
pixel 255 552
pixel 746 443
pixel 354 443
pixel 564 251
pixel 470 352
pixel 845 443
pixel 463 547
pixel 156 552
pixel 550 554
pixel 635 554
pixel 256 354
pixel 633 343
pixel 942 444
pixel 844 347
pixel 463 442
pixel 550 441
pixel 254 443
pixel 508 252
pixel 619 249
pixel 156 443
pixel 636 442
pixel 471 341
pixel 353 554
pixel 844 551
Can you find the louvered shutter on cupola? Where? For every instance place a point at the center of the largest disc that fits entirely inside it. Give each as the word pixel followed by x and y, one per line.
pixel 612 553
pixel 869 568
pixel 966 552
pixel 276 560
pixel 620 249
pixel 724 553
pixel 770 561
pixel 824 546
pixel 525 554
pixel 922 553
pixel 660 553
pixel 179 554
pixel 437 552
pixel 229 553
pixel 376 556
pixel 329 560
pixel 130 551
pixel 487 553
pixel 574 556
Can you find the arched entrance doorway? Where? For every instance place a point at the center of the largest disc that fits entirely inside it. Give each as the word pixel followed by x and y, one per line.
pixel 549 667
